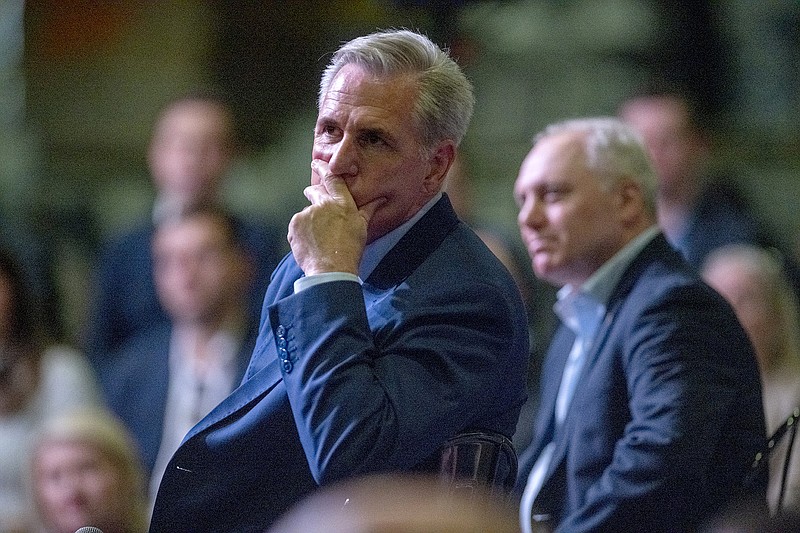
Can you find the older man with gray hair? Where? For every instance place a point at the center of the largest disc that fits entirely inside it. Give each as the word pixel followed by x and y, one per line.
pixel 388 329
pixel 650 410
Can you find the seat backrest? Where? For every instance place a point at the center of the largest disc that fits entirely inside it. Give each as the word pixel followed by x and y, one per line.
pixel 481 460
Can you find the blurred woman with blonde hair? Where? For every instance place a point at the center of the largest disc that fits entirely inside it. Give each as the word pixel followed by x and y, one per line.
pixel 753 280
pixel 86 471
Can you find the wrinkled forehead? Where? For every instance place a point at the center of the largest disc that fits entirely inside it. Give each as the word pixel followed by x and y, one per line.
pixel 393 94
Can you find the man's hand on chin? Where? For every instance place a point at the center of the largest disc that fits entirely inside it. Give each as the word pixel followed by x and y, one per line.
pixel 330 234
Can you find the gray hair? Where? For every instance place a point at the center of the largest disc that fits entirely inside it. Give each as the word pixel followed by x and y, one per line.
pixel 613 150
pixel 445 99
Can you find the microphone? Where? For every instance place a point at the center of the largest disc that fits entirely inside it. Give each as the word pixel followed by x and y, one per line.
pixel 89 529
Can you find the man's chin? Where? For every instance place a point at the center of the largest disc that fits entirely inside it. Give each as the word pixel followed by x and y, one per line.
pixel 546 271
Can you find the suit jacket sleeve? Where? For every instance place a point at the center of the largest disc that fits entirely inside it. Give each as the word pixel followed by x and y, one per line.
pixel 382 398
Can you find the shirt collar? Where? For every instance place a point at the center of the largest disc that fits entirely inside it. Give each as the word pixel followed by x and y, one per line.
pixel 582 309
pixel 603 282
pixel 579 311
pixel 376 250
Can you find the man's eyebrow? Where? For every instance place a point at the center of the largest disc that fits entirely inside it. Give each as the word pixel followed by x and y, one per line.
pixel 325 120
pixel 375 130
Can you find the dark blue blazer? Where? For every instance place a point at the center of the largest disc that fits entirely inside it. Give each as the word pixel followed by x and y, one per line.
pixel 719 217
pixel 136 387
pixel 347 380
pixel 667 416
pixel 722 217
pixel 123 299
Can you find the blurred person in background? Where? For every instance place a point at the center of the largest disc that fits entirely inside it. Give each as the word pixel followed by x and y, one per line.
pixel 171 375
pixel 399 504
pixel 697 211
pixel 85 471
pixel 191 151
pixel 37 380
pixel 752 279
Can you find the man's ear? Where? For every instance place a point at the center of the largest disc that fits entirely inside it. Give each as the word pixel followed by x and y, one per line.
pixel 440 162
pixel 631 201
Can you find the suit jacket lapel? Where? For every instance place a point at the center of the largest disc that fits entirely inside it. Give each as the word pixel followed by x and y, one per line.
pixel 562 344
pixel 544 421
pixel 254 388
pixel 415 246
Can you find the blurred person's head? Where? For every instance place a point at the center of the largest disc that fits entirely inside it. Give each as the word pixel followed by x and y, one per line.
pixel 753 280
pixel 584 191
pixel 398 504
pixel 192 148
pixel 666 118
pixel 19 341
pixel 751 516
pixel 393 107
pixel 85 471
pixel 200 268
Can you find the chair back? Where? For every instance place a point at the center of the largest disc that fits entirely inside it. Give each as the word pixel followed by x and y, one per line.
pixel 482 460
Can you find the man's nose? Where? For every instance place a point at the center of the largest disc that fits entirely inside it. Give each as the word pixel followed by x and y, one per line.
pixel 344 159
pixel 531 214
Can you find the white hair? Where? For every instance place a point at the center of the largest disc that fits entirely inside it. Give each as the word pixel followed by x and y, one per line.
pixel 613 150
pixel 445 99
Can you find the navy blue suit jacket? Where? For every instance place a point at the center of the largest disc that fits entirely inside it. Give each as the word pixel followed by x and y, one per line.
pixel 136 388
pixel 667 415
pixel 348 380
pixel 719 218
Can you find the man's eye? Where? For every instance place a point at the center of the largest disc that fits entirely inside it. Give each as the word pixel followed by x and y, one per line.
pixel 553 195
pixel 326 130
pixel 371 139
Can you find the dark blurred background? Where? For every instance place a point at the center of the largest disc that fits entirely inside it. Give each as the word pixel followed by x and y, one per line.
pixel 81 82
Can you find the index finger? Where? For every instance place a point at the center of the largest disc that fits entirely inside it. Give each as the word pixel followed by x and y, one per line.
pixel 317 171
pixel 337 189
